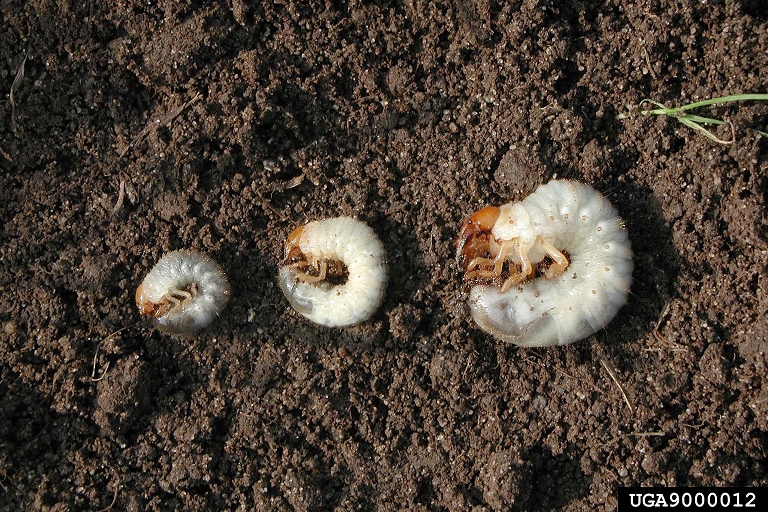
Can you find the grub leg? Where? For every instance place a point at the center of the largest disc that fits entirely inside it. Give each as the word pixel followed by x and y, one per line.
pixel 307 278
pixel 526 269
pixel 493 266
pixel 560 261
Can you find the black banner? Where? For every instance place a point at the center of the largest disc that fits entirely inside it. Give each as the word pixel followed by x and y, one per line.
pixel 691 498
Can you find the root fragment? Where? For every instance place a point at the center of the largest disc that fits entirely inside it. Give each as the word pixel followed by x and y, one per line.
pixel 154 124
pixel 612 374
pixel 14 87
pixel 114 496
pixel 96 354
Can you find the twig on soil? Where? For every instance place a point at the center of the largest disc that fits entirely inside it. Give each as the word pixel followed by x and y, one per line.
pixel 536 361
pixel 114 497
pixel 160 121
pixel 648 62
pixel 594 388
pixel 291 183
pixel 96 354
pixel 120 198
pixel 618 384
pixel 106 367
pixel 646 434
pixel 14 86
pixel 656 335
pixel 609 368
pixel 4 476
pixel 269 206
pixel 95 357
pixel 667 345
pixel 694 121
pixel 662 316
pixel 6 155
pixel 286 185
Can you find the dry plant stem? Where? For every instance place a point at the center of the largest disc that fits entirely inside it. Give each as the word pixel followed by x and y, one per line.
pixel 93 372
pixel 618 384
pixel 114 496
pixel 14 86
pixel 573 377
pixel 120 199
pixel 4 475
pixel 96 354
pixel 160 121
pixel 292 183
pixel 269 206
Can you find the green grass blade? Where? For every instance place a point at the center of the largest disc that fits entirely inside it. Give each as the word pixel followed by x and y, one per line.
pixel 692 124
pixel 692 121
pixel 723 99
pixel 699 119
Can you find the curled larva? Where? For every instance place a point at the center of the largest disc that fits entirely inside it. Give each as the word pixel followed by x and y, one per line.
pixel 184 292
pixel 335 271
pixel 557 265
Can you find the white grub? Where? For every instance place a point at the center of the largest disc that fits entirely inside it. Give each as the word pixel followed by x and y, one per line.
pixel 184 292
pixel 335 271
pixel 556 267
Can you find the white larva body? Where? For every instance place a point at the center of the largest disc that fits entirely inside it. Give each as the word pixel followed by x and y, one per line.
pixel 577 302
pixel 345 240
pixel 184 292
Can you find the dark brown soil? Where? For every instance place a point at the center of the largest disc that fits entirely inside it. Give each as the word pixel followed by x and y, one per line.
pixel 138 127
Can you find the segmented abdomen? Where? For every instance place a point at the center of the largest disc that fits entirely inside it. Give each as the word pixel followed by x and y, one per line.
pixel 587 295
pixel 354 244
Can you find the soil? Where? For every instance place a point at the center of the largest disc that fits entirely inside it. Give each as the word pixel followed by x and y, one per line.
pixel 128 129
